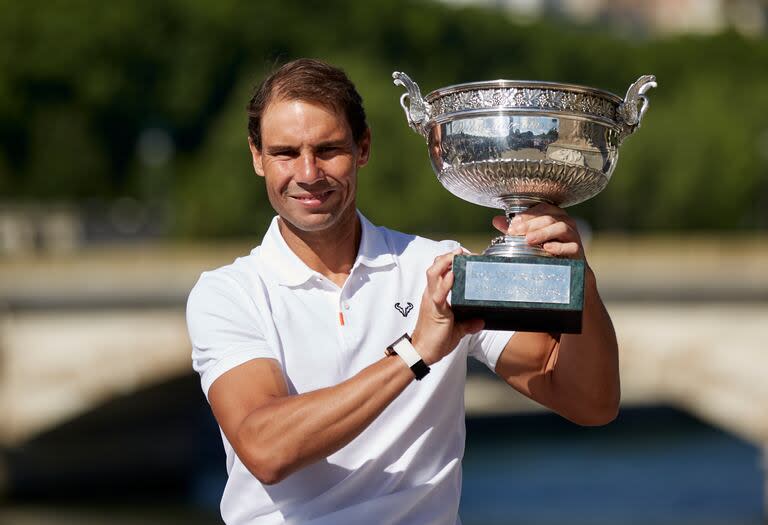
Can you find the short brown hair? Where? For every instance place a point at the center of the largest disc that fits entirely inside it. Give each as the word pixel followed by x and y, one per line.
pixel 312 81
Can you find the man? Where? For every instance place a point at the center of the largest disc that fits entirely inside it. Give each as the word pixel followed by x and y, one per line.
pixel 319 422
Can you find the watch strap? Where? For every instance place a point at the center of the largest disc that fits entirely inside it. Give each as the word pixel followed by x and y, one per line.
pixel 404 348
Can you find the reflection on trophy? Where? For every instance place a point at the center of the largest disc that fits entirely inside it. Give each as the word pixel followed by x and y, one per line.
pixel 510 145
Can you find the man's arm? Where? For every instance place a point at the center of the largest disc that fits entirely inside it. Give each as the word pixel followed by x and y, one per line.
pixel 275 434
pixel 576 375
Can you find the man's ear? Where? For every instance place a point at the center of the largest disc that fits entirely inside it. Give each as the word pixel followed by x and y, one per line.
pixel 258 167
pixel 364 148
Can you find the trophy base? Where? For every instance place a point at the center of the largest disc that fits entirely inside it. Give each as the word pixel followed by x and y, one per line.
pixel 525 294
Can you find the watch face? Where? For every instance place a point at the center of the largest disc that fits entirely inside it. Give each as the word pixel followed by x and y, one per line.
pixel 404 337
pixel 409 355
pixel 391 349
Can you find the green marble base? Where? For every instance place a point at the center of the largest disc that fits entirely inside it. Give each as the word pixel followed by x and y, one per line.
pixel 527 294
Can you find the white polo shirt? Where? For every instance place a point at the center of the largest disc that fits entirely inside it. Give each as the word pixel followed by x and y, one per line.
pixel 405 468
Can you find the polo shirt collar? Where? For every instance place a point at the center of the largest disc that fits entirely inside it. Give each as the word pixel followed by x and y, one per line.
pixel 280 259
pixel 374 252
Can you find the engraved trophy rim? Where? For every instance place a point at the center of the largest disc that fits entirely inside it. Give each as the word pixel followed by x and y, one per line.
pixel 522 97
pixel 525 84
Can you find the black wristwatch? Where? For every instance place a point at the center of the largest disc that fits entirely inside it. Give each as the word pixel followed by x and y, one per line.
pixel 404 348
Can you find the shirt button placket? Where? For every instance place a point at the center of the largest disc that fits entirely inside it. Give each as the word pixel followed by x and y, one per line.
pixel 338 305
pixel 347 331
pixel 343 307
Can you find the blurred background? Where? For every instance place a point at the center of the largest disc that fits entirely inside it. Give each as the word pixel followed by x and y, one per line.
pixel 124 173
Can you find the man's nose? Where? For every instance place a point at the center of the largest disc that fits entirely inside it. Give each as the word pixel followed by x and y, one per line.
pixel 308 171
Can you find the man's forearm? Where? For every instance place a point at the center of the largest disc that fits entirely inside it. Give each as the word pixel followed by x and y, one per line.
pixel 588 364
pixel 291 432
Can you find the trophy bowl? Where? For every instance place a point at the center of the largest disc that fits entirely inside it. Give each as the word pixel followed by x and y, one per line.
pixel 512 144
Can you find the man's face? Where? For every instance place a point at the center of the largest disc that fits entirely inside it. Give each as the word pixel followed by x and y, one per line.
pixel 309 161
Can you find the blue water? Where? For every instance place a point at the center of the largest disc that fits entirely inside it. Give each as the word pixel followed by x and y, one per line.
pixel 651 466
pixel 654 466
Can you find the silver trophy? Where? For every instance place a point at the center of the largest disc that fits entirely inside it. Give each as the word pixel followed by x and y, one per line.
pixel 510 145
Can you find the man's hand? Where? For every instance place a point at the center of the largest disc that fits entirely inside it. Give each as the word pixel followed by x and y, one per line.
pixel 577 376
pixel 437 333
pixel 546 225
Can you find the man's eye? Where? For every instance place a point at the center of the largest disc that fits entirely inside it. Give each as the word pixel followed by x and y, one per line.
pixel 283 153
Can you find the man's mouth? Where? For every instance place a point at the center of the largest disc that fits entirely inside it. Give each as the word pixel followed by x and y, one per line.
pixel 312 198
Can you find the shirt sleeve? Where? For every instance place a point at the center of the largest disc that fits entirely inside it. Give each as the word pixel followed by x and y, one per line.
pixel 486 346
pixel 225 328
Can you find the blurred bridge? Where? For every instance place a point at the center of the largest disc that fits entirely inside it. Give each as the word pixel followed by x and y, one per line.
pixel 79 330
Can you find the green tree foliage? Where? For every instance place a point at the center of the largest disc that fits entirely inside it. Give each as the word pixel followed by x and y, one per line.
pixel 81 83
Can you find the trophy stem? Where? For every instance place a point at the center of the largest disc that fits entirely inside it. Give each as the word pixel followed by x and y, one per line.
pixel 516 245
pixel 514 204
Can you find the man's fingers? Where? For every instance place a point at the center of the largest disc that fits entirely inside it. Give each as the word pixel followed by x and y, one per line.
pixel 541 221
pixel 563 249
pixel 441 265
pixel 533 218
pixel 442 288
pixel 548 226
pixel 501 223
pixel 557 231
pixel 440 278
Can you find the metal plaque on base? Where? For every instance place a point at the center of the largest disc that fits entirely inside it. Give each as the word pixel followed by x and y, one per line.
pixel 513 144
pixel 528 294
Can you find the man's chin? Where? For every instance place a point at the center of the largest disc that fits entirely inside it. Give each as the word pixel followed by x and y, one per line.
pixel 317 220
pixel 312 222
pixel 321 221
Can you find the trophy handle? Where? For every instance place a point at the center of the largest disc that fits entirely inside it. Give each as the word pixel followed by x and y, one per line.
pixel 635 105
pixel 416 108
